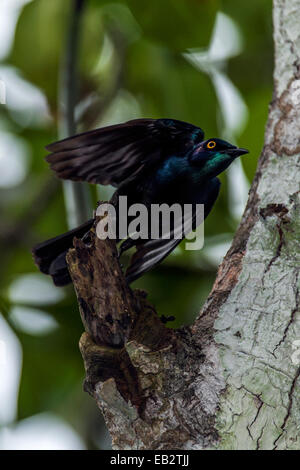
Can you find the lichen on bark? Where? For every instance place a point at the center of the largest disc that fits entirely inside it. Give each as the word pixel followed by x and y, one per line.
pixel 259 322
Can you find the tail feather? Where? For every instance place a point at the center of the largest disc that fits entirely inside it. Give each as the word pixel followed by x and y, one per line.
pixel 50 256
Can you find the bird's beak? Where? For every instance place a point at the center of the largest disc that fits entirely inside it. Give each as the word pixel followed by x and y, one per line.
pixel 237 152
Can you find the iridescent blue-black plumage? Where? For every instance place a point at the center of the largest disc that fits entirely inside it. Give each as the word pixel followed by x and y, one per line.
pixel 149 161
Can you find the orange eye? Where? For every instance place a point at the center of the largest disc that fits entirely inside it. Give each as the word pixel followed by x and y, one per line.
pixel 211 144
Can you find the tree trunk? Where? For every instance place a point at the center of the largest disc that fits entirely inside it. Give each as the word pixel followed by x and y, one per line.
pixel 231 380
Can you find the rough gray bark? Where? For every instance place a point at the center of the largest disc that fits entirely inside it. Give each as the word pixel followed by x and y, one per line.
pixel 231 381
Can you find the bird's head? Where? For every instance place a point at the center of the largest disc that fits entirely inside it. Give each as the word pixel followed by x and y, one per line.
pixel 213 156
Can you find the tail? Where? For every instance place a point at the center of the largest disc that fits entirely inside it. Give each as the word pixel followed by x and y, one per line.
pixel 50 256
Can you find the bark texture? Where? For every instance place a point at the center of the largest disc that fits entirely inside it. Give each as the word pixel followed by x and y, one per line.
pixel 231 381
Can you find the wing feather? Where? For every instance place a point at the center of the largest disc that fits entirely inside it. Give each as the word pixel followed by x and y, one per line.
pixel 116 154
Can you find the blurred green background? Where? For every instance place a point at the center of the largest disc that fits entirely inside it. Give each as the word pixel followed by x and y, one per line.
pixel 207 62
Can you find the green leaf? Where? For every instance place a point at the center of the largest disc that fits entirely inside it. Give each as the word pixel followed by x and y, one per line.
pixel 177 24
pixel 39 40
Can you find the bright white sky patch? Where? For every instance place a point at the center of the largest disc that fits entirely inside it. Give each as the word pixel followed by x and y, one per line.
pixel 26 102
pixel 32 321
pixel 10 370
pixel 40 432
pixel 9 14
pixel 226 39
pixel 34 289
pixel 14 160
pixel 214 254
pixel 226 42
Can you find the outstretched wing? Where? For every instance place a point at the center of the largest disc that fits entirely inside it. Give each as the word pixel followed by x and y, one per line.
pixel 150 253
pixel 117 154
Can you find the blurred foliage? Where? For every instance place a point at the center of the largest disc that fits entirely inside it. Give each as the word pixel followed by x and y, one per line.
pixel 131 65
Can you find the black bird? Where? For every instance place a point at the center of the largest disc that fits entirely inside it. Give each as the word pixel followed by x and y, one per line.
pixel 149 161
